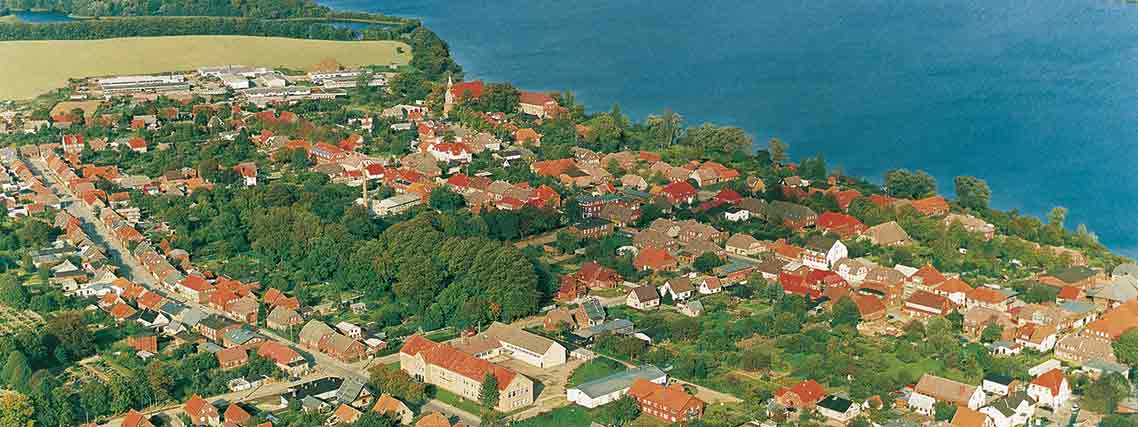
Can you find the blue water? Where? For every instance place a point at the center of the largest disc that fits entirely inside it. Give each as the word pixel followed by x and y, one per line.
pixel 43 17
pixel 1038 98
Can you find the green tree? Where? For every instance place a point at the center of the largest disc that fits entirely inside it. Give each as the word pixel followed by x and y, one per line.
pixel 972 192
pixel 488 394
pixel 620 413
pixel 16 410
pixel 992 333
pixel 1126 347
pixel 93 398
pixel 913 185
pixel 777 150
pixel 1103 395
pixel 17 371
pixel 706 262
pixel 845 313
pixel 12 292
pixel 445 200
pixel 373 419
pixel 70 328
pixel 944 411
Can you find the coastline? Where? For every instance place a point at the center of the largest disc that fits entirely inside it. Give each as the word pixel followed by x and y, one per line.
pixel 948 116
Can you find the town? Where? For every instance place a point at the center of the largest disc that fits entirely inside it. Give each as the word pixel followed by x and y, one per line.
pixel 246 246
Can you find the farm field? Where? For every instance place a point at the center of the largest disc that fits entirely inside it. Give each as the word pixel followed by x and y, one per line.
pixel 33 67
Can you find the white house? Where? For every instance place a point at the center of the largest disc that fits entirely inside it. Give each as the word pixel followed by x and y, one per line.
pixel 999 385
pixel 932 389
pixel 736 215
pixel 822 252
pixel 1050 389
pixel 838 409
pixel 710 285
pixel 1011 410
pixel 611 388
pixel 643 298
pixel 679 288
pixel 350 330
pixel 853 270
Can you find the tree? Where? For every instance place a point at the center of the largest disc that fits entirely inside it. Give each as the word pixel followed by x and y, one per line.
pixel 16 410
pixel 620 413
pixel 992 333
pixel 1126 348
pixel 1056 217
pixel 944 411
pixel 17 371
pixel 1103 395
pixel 373 419
pixel 814 169
pixel 488 394
pixel 777 150
pixel 445 200
pixel 845 313
pixel 913 185
pixel 773 292
pixel 93 398
pixel 664 129
pixel 70 328
pixel 972 192
pixel 396 383
pixel 706 262
pixel 12 292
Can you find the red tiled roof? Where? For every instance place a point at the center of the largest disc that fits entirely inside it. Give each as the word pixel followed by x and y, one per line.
pixel 1052 380
pixel 953 286
pixel 929 275
pixel 198 407
pixel 122 311
pixel 653 257
pixel 472 89
pixel 196 283
pixel 931 205
pixel 277 352
pixel 679 190
pixel 534 98
pixel 987 295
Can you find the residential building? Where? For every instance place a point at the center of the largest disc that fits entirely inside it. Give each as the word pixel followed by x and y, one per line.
pixel 924 304
pixel 803 396
pixel 678 288
pixel 1011 410
pixel 838 409
pixel 670 404
pixel 1050 389
pixel 643 298
pixel 821 252
pixel 201 412
pixel 932 389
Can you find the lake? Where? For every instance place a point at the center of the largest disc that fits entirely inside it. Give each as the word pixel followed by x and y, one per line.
pixel 43 17
pixel 1038 98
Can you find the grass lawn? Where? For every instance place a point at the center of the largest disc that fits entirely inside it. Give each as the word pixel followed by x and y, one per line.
pixel 34 67
pixel 565 416
pixel 597 368
pixel 456 401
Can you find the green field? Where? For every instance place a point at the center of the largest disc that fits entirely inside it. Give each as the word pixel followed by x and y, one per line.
pixel 31 68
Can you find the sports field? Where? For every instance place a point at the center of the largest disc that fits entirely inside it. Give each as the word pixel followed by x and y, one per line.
pixel 30 68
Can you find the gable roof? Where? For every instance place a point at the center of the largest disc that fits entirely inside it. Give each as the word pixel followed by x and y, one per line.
pixel 945 389
pixel 1051 380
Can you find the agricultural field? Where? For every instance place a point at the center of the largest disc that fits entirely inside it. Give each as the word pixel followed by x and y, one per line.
pixel 14 321
pixel 31 68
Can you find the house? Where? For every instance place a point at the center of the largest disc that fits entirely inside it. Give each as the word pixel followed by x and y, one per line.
pixel 559 318
pixel 592 228
pixel 596 276
pixel 667 403
pixel 434 419
pixel 804 395
pixel 287 359
pixel 235 415
pixel 654 258
pixel 965 417
pixel 611 388
pixel 924 304
pixel 1040 338
pixel 201 412
pixel 678 193
pixel 931 389
pixel 821 252
pixel 462 374
pixel 931 206
pixel 134 418
pixel 838 409
pixel 1084 349
pixel 678 289
pixel 690 309
pixel 955 290
pixel 231 358
pixel 1011 410
pixel 343 414
pixel 987 297
pixel 282 318
pixel 1050 389
pixel 388 405
pixel 971 224
pixel 536 104
pixel 501 339
pixel 744 244
pixel 1115 322
pixel 1000 385
pixel 710 285
pixel 643 298
pixel 842 225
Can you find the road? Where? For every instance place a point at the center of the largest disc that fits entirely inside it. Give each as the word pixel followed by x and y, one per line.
pixel 133 270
